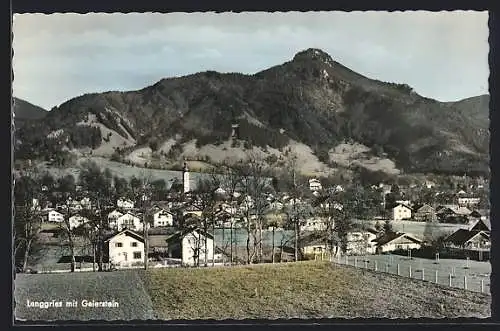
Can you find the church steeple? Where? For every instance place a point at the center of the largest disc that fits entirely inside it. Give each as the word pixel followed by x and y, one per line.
pixel 185 178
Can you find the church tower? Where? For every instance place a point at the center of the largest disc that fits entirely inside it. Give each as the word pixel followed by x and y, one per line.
pixel 185 178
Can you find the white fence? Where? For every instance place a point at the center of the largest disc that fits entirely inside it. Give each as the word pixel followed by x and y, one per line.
pixel 454 273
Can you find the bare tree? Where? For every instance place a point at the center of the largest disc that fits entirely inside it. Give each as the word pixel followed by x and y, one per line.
pixel 27 218
pixel 206 201
pixel 143 197
pixel 68 232
pixel 254 185
pixel 230 181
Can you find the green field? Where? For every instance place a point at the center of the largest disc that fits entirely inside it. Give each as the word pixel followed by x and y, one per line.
pixel 289 290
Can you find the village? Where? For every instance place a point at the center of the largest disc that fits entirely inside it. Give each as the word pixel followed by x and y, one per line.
pixel 227 226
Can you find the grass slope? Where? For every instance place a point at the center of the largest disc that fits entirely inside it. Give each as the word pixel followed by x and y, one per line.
pixel 125 287
pixel 282 291
pixel 303 290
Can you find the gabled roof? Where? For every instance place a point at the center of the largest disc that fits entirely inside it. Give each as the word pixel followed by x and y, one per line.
pixel 129 233
pixel 481 225
pixel 461 236
pixel 387 238
pixel 420 205
pixel 182 233
pixel 402 205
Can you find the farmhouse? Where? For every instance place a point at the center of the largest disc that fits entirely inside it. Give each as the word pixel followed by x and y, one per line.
pixel 55 216
pixel 395 241
pixel 401 212
pixel 313 246
pixel 466 199
pixel 163 218
pixel 125 203
pixel 453 214
pixel 113 217
pixel 125 249
pixel 361 242
pixel 193 211
pixel 314 224
pixel 475 238
pixel 85 203
pixel 189 246
pixel 77 220
pixel 314 185
pixel 129 221
pixel 424 213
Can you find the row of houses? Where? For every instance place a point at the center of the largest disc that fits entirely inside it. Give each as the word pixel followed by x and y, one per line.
pixel 442 213
pixel 370 241
pixel 117 219
pixel 186 247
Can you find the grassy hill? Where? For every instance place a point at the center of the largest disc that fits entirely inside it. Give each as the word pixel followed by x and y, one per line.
pixel 292 290
pixel 310 100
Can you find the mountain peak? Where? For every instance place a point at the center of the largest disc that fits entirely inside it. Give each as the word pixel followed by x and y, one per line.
pixel 313 54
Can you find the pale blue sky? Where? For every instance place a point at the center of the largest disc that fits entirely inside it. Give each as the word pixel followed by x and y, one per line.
pixel 442 55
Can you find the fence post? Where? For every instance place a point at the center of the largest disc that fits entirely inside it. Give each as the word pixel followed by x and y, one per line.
pixel 338 258
pixel 347 260
pixel 409 271
pixel 465 282
pixel 355 262
pixel 449 280
pixel 423 274
pixel 387 267
pixel 482 285
pixel 436 276
pixel 375 265
pixel 398 269
pixel 366 264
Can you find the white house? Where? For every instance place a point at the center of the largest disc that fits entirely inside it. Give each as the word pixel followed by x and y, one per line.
pixel 401 212
pixel 86 203
pixel 361 242
pixel 113 216
pixel 55 216
pixel 338 188
pixel 468 201
pixel 189 247
pixel 77 220
pixel 129 221
pixel 125 249
pixel 163 218
pixel 395 241
pixel 314 224
pixel 314 185
pixel 125 203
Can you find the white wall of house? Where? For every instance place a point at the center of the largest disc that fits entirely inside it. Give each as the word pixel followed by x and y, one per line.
pixel 314 249
pixel 77 220
pixel 189 244
pixel 401 212
pixel 314 224
pixel 86 203
pixel 399 243
pixel 162 218
pixel 125 250
pixel 54 216
pixel 129 221
pixel 468 201
pixel 360 243
pixel 125 203
pixel 314 185
pixel 113 217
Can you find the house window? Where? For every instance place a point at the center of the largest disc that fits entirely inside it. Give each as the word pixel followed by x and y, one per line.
pixel 118 245
pixel 137 255
pixel 133 244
